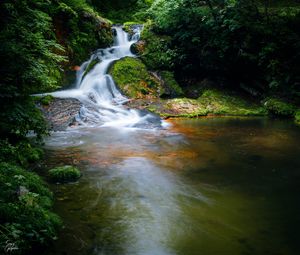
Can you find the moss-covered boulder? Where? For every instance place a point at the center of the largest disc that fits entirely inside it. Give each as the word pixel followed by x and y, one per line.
pixel 133 79
pixel 278 107
pixel 64 174
pixel 170 86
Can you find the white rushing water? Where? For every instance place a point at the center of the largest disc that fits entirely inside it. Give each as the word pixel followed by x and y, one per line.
pixel 102 101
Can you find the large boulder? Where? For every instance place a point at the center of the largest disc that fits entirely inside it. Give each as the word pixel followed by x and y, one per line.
pixel 134 80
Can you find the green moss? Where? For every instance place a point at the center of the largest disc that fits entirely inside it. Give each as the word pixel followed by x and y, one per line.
pixel 24 208
pixel 44 100
pixel 127 26
pixel 279 107
pixel 171 87
pixel 132 77
pixel 220 102
pixel 90 66
pixel 64 174
pixel 210 102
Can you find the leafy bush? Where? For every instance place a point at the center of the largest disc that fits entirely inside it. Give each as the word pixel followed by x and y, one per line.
pixel 64 174
pixel 236 40
pixel 157 53
pixel 279 107
pixel 24 208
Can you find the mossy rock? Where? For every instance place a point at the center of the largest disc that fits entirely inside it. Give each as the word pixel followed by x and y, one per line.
pixel 279 107
pixel 222 103
pixel 133 79
pixel 43 100
pixel 64 174
pixel 212 101
pixel 129 27
pixel 170 85
pixel 90 66
pixel 138 48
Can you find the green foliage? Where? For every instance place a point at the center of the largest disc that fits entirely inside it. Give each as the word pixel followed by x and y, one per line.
pixel 157 53
pixel 64 174
pixel 19 116
pixel 132 77
pixel 23 153
pixel 29 64
pixel 279 107
pixel 24 208
pixel 241 41
pixel 28 49
pixel 80 29
pixel 120 11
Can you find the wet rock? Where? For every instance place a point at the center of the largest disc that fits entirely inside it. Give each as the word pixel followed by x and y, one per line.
pixel 61 113
pixel 138 48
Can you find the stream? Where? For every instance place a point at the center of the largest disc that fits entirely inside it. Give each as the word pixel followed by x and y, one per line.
pixel 207 186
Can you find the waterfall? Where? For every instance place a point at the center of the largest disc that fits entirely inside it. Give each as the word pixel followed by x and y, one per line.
pixel 96 89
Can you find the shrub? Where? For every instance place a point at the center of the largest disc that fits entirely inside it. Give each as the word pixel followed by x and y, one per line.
pixel 64 174
pixel 24 208
pixel 279 108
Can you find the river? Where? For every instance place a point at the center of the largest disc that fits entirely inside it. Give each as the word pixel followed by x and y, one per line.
pixel 207 186
pixel 202 186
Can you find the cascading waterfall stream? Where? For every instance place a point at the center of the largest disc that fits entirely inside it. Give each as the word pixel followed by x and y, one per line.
pixel 102 101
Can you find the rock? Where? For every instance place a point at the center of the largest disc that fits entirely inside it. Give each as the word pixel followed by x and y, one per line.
pixel 134 80
pixel 171 88
pixel 61 113
pixel 138 48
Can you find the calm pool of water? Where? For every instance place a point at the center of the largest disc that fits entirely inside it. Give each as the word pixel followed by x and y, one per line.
pixel 211 186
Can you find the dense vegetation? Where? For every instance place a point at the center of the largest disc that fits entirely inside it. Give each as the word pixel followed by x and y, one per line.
pixel 244 44
pixel 240 45
pixel 40 40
